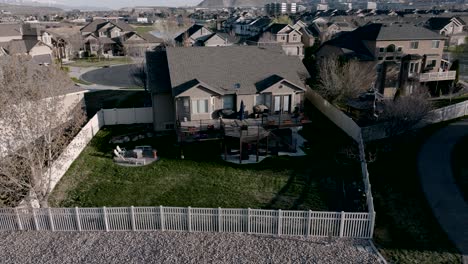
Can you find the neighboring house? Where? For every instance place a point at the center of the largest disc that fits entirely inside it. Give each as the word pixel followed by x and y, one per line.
pixel 115 38
pixel 192 35
pixel 251 27
pixel 415 50
pixel 285 35
pixel 10 32
pixel 66 42
pixel 192 84
pixel 326 31
pixel 308 38
pixel 455 28
pixel 23 39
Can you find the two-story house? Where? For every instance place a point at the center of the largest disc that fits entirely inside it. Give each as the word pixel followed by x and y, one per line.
pixel 194 84
pixel 285 35
pixel 455 28
pixel 24 39
pixel 190 36
pixel 416 51
pixel 115 38
pixel 251 27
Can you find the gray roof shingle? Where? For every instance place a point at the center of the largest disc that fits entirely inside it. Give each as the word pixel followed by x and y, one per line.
pixel 10 30
pixel 406 32
pixel 224 67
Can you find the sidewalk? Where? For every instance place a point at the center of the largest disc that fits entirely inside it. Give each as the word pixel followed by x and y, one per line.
pixel 438 184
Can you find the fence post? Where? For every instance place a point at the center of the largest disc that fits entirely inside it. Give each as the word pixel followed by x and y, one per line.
pixel 309 219
pixel 77 217
pixel 106 225
pixel 248 220
pixel 220 229
pixel 189 220
pixel 279 222
pixel 51 220
pixel 161 214
pixel 132 217
pixel 36 225
pixel 342 222
pixel 18 220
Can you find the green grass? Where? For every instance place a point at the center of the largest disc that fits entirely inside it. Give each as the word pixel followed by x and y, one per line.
pixel 202 179
pixel 144 29
pixel 460 166
pixel 95 62
pixel 406 230
pixel 79 81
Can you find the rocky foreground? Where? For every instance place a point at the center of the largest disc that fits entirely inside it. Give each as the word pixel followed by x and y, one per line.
pixel 176 247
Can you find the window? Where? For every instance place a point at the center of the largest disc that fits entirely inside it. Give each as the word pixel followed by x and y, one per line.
pixel 391 48
pixel 414 67
pixel 382 49
pixel 389 58
pixel 380 58
pixel 169 126
pixel 400 49
pixel 432 63
pixel 435 44
pixel 283 38
pixel 228 102
pixel 200 106
pixel 414 45
pixel 294 38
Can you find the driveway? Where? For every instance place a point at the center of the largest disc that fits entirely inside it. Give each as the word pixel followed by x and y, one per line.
pixel 116 76
pixel 438 184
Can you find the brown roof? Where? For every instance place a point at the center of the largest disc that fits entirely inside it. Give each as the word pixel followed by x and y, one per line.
pixel 99 23
pixel 10 30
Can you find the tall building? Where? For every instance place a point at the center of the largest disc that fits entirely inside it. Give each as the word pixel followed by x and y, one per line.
pixel 280 8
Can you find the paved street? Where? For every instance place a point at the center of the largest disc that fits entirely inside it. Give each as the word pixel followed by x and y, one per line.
pixel 116 76
pixel 438 184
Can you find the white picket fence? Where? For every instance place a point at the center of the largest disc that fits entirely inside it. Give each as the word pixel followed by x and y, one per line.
pixel 250 221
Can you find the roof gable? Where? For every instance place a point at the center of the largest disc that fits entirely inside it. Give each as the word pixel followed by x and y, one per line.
pixel 224 68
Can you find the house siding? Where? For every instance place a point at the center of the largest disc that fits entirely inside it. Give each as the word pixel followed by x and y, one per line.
pixel 163 111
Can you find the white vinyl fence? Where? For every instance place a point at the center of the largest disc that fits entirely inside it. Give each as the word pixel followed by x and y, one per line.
pixel 250 221
pixel 126 116
pixel 447 113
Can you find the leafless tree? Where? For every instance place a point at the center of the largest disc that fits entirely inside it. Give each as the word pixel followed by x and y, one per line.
pixel 341 81
pixel 139 75
pixel 37 121
pixel 403 113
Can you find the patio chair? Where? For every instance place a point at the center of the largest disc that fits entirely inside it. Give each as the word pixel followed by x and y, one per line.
pixel 121 150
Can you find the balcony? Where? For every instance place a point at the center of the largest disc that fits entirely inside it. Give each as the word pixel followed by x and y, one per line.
pixel 437 76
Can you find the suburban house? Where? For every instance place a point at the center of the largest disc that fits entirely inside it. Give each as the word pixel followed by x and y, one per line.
pixel 23 39
pixel 415 52
pixel 66 42
pixel 251 27
pixel 455 28
pixel 116 38
pixel 198 35
pixel 191 85
pixel 328 30
pixel 285 35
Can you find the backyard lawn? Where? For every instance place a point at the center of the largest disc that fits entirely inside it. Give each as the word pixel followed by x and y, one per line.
pixel 95 62
pixel 202 179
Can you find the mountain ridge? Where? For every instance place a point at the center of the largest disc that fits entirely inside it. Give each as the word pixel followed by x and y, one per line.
pixel 238 3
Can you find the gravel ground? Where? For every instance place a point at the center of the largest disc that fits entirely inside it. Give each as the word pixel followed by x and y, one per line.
pixel 175 247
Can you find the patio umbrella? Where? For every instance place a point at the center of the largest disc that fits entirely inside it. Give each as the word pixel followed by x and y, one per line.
pixel 241 111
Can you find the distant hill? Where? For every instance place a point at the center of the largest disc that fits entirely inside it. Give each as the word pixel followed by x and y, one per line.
pixel 237 3
pixel 29 9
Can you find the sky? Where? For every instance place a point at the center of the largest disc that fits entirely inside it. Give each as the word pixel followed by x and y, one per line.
pixel 115 4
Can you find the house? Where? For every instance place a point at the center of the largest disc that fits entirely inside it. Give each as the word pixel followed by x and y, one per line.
pixel 115 38
pixel 285 35
pixel 251 27
pixel 24 39
pixel 455 28
pixel 192 35
pixel 194 84
pixel 329 30
pixel 66 42
pixel 416 50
